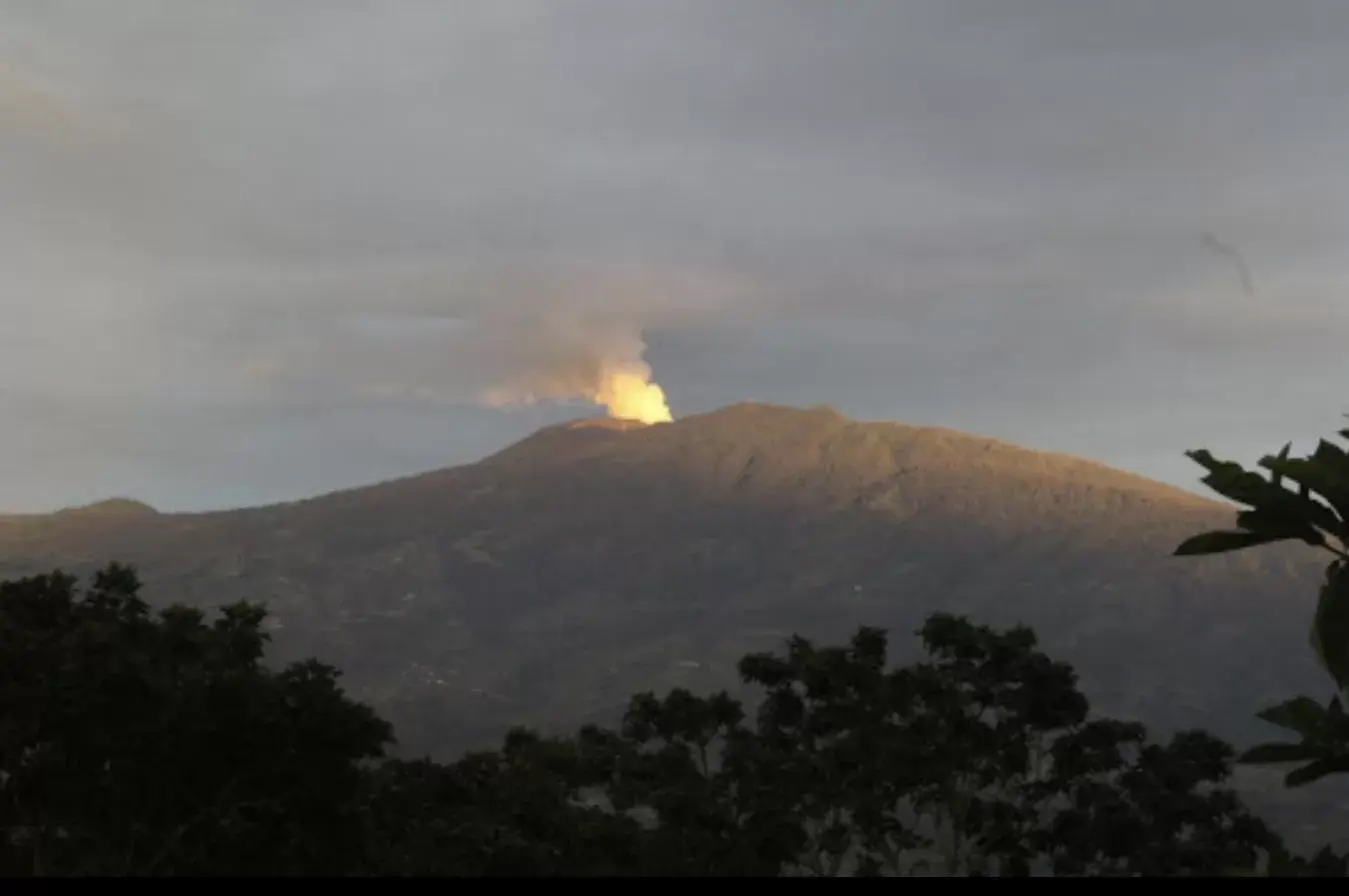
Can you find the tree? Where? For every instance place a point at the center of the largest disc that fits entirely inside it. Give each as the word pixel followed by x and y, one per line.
pixel 1126 807
pixel 832 729
pixel 519 811
pixel 707 794
pixel 988 706
pixel 1317 513
pixel 979 760
pixel 134 743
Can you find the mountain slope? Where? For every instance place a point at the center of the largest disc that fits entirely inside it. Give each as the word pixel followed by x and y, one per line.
pixel 547 583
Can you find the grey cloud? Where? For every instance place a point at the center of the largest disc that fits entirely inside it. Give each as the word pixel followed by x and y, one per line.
pixel 291 218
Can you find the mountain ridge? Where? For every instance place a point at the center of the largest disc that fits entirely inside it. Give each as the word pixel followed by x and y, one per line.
pixel 604 426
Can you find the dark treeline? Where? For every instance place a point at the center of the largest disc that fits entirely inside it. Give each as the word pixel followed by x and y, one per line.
pixel 140 743
pixel 143 743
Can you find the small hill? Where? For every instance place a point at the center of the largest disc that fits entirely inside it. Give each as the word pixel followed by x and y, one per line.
pixel 546 583
pixel 113 507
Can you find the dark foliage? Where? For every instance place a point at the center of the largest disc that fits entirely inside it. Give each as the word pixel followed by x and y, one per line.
pixel 1315 510
pixel 140 744
pixel 136 744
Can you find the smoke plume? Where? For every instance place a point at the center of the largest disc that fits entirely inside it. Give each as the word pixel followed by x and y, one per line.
pixel 582 357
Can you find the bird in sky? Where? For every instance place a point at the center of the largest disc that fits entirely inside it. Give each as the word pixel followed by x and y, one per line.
pixel 1234 254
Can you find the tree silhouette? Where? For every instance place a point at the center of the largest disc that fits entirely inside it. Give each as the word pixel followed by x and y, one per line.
pixel 134 743
pixel 513 812
pixel 137 744
pixel 1316 513
pixel 980 760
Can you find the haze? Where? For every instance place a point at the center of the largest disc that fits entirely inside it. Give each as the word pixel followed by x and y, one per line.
pixel 255 251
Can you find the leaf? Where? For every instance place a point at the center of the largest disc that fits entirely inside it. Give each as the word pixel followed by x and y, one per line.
pixel 1332 456
pixel 1302 715
pixel 1238 484
pixel 1324 473
pixel 1206 460
pixel 1299 514
pixel 1266 754
pixel 1314 771
pixel 1220 542
pixel 1241 485
pixel 1330 628
pixel 1280 523
pixel 1275 477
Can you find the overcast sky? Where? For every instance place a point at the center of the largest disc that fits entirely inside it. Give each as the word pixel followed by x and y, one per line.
pixel 254 251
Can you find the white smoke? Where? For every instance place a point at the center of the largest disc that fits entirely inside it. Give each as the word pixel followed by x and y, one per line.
pixel 572 356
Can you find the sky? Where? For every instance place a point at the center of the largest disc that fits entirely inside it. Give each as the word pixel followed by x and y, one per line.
pixel 257 251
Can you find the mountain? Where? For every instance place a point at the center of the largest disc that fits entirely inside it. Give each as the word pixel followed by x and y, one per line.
pixel 548 582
